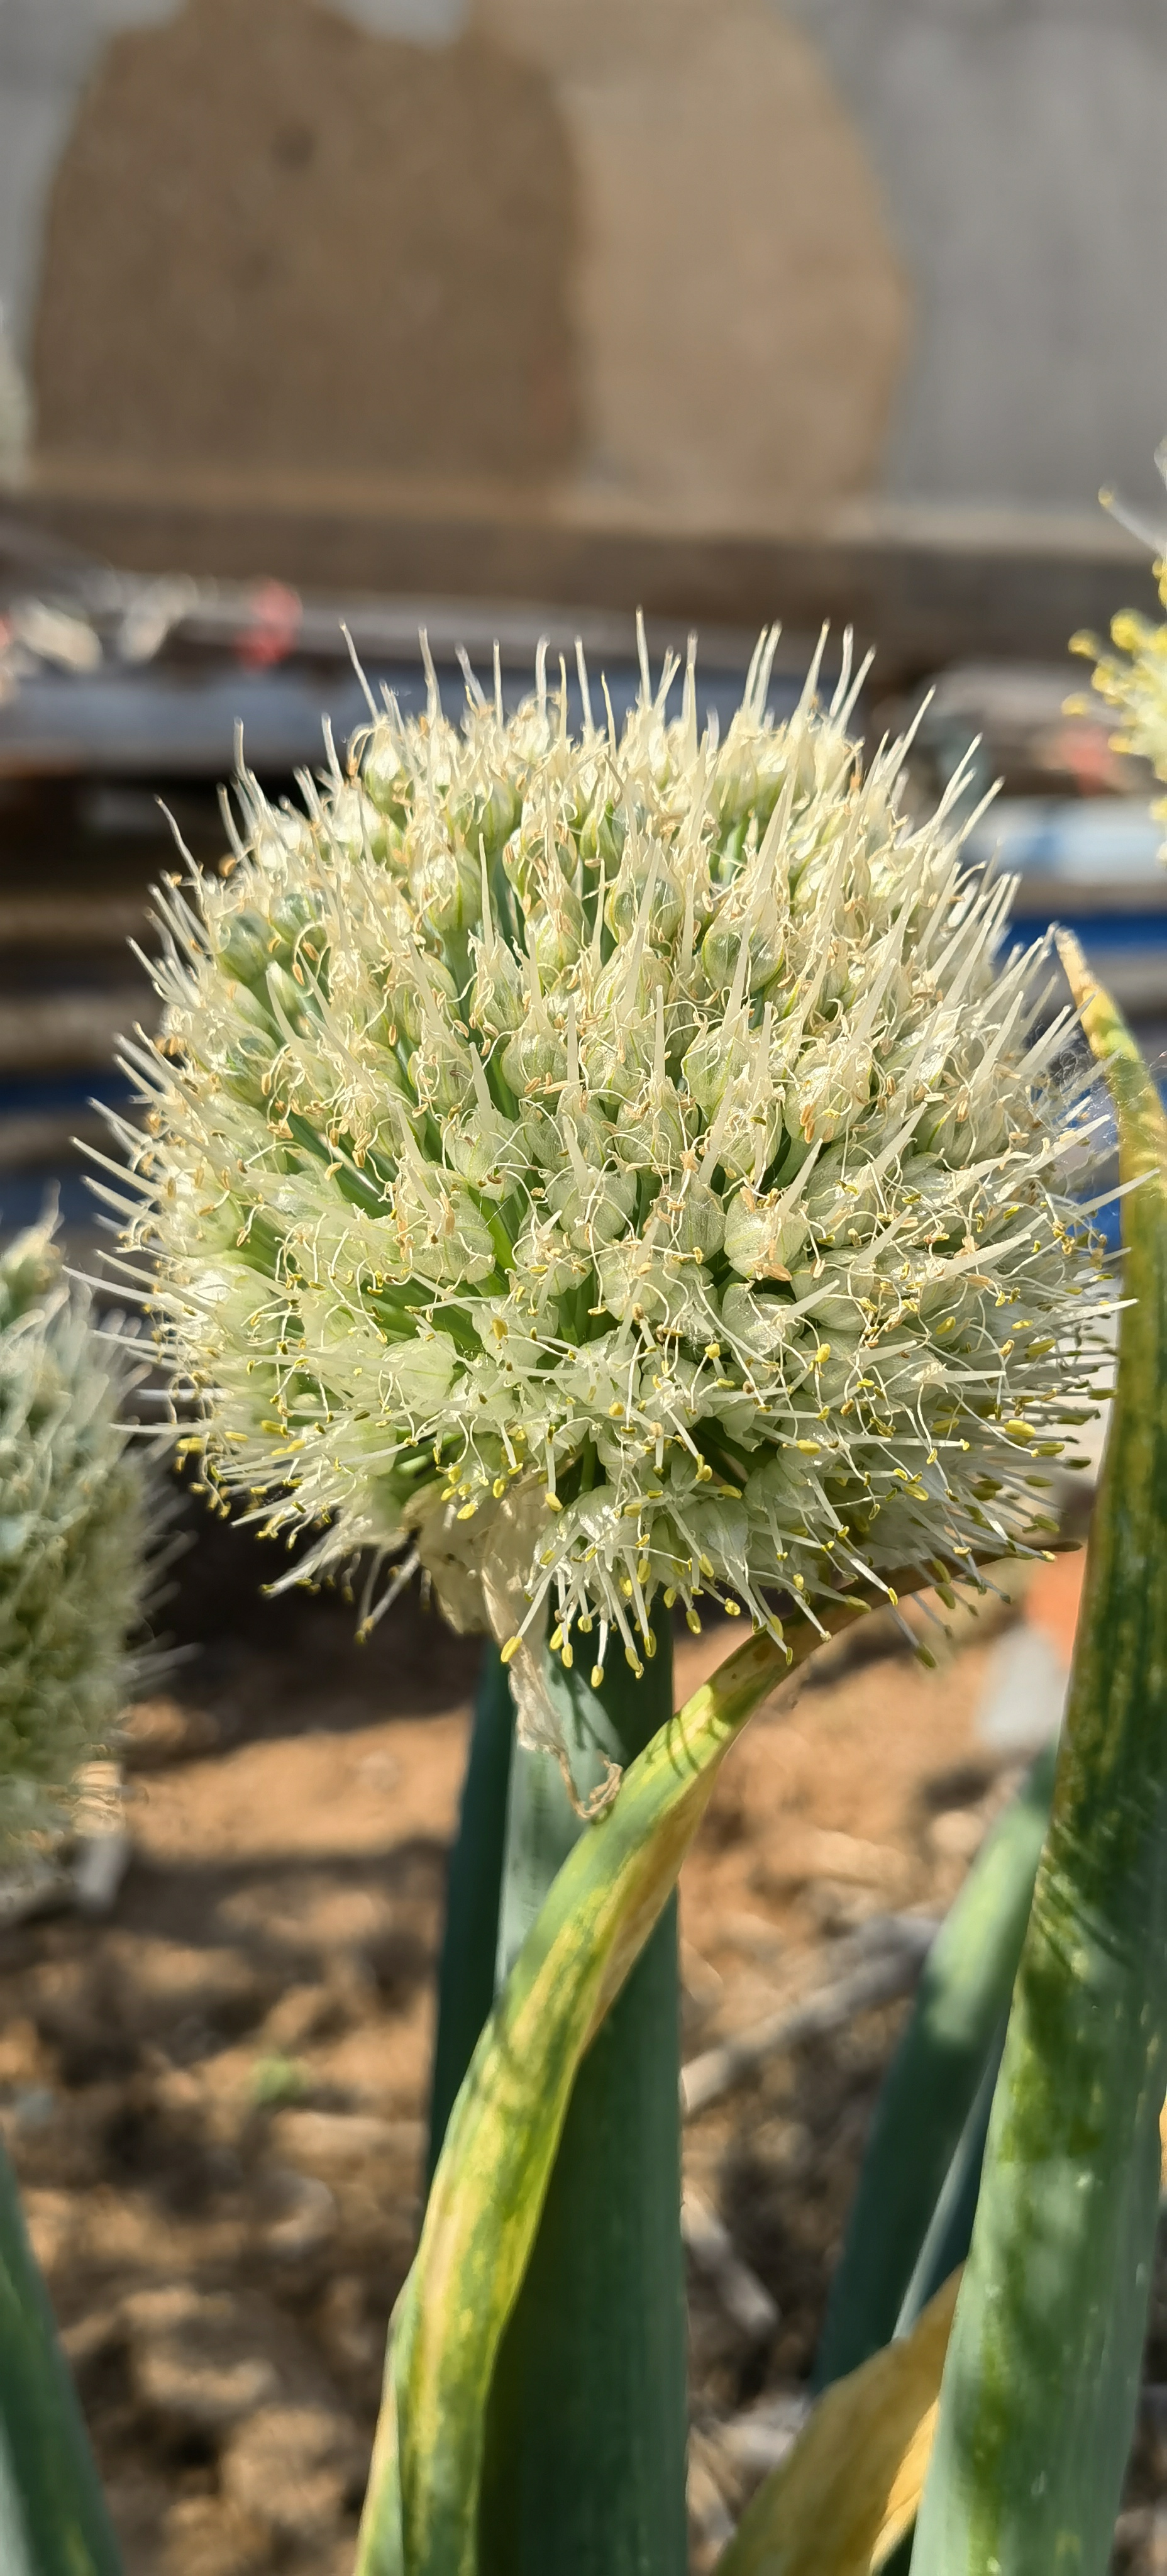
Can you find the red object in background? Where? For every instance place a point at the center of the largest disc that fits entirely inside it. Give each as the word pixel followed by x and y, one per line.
pixel 275 617
pixel 1052 1598
pixel 1085 753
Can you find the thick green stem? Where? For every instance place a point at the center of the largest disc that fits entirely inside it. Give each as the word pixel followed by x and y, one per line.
pixel 466 1976
pixel 585 2449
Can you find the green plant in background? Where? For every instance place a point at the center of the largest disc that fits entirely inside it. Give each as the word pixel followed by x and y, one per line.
pixel 73 1568
pixel 73 1579
pixel 1133 678
pixel 606 1169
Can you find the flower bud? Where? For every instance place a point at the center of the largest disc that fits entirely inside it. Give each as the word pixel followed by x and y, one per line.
pixel 650 1135
pixel 499 995
pixel 420 986
pixel 721 948
pixel 482 1148
pixel 535 1059
pixel 763 1237
pixel 694 1217
pixel 711 1063
pixel 446 886
pixel 385 774
pixel 602 838
pixel 555 935
pixel 487 819
pixel 356 825
pixel 625 904
pixel 441 1233
pixel 245 948
pixel 594 1207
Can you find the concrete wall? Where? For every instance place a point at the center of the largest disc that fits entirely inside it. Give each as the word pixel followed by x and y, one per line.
pixel 1021 149
pixel 902 248
pixel 48 48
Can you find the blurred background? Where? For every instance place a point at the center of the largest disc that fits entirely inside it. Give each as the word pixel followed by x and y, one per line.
pixel 511 316
pixel 508 317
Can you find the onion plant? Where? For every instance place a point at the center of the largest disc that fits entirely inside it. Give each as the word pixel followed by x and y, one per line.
pixel 609 1170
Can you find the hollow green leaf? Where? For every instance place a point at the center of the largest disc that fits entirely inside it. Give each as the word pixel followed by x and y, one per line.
pixel 466 1975
pixel 929 2098
pixel 842 2499
pixel 53 2516
pixel 586 2433
pixel 1041 2382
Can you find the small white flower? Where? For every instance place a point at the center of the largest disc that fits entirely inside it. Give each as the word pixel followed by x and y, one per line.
pixel 611 1164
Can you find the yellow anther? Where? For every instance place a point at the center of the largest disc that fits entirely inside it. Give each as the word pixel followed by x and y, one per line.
pixel 510 1649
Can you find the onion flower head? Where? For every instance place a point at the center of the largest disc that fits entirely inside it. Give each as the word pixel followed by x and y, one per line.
pixel 599 1162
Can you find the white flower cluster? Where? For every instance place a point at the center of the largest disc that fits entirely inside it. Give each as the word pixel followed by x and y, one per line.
pixel 72 1540
pixel 1134 680
pixel 611 1163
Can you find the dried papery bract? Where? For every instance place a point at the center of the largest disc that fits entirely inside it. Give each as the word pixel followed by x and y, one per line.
pixel 605 1163
pixel 72 1540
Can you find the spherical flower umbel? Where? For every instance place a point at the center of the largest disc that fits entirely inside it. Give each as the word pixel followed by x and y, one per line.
pixel 72 1540
pixel 611 1164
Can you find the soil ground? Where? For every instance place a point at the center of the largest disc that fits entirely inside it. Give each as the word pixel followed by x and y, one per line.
pixel 216 2095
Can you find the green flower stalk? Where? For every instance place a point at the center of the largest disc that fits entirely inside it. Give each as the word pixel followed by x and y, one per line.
pixel 73 1573
pixel 604 1165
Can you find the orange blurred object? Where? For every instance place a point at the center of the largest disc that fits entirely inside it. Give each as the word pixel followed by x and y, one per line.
pixel 1052 1598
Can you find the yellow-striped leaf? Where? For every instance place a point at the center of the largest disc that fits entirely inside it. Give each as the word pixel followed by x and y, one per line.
pixel 845 2495
pixel 1041 2383
pixel 492 2176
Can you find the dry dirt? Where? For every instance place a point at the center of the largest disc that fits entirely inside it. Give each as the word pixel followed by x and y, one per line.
pixel 216 2096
